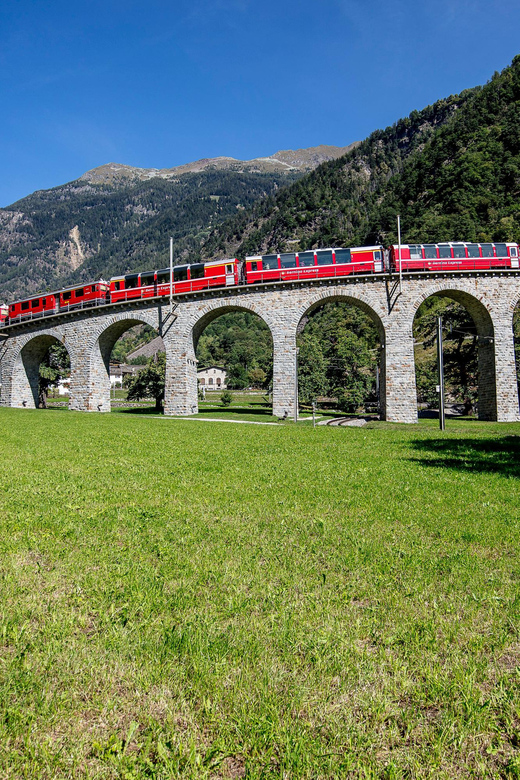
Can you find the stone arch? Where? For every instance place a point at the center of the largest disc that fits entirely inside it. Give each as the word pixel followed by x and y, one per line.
pixel 90 383
pixel 322 297
pixel 482 316
pixel 200 320
pixel 207 314
pixel 26 366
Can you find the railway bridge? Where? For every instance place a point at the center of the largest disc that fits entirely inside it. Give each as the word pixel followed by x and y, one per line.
pixel 90 334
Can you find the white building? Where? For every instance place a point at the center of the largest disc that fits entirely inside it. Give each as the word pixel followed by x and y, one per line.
pixel 212 378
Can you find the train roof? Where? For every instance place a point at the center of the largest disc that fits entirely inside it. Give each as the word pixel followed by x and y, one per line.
pixel 320 249
pixel 179 265
pixel 47 293
pixel 455 243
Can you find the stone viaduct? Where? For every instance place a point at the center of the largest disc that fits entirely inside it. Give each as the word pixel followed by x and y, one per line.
pixel 90 334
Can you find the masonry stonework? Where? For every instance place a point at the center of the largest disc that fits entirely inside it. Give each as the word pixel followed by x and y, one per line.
pixel 89 336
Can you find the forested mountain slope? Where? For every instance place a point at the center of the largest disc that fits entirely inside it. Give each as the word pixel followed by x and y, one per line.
pixel 451 170
pixel 82 231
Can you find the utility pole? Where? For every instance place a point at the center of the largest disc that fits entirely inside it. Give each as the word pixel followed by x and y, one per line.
pixel 440 365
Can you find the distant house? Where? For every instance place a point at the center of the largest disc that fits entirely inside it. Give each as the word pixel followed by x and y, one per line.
pixel 212 378
pixel 63 386
pixel 119 370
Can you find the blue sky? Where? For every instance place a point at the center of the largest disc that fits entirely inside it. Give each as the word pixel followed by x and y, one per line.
pixel 158 84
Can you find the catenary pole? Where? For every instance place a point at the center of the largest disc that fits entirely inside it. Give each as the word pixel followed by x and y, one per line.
pixel 440 364
pixel 171 275
pixel 399 251
pixel 296 386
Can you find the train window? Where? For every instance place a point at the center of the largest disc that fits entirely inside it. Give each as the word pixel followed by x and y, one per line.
pixel 35 303
pixel 430 251
pixel 377 254
pixel 415 252
pixel 459 251
pixel 163 277
pixel 25 305
pixel 117 285
pixel 306 259
pixel 501 250
pixel 324 258
pixel 79 293
pixel 343 256
pixel 444 251
pixel 473 250
pixel 513 251
pixel 180 273
pixel 288 260
pixel 66 295
pixel 197 271
pixel 487 250
pixel 131 281
pixel 270 262
pixel 147 279
pixel 44 301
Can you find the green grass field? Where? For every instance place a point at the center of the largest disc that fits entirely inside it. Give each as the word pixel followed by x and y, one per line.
pixel 207 600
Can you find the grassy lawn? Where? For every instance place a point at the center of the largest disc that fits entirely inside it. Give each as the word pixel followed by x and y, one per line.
pixel 225 601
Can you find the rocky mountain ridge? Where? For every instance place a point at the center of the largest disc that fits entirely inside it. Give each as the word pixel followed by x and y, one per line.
pixel 293 160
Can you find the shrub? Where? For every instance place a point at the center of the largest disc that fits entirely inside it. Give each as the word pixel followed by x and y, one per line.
pixel 226 398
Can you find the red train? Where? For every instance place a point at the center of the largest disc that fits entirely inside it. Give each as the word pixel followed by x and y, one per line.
pixel 258 269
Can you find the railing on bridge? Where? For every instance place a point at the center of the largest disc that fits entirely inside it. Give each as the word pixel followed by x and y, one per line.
pixel 312 273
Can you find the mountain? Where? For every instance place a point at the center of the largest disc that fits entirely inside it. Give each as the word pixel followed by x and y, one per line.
pixel 298 160
pixel 452 171
pixel 117 218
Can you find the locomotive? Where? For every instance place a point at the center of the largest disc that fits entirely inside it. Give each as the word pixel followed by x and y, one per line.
pixel 261 269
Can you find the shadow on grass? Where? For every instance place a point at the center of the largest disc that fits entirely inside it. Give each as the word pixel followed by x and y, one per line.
pixel 236 410
pixel 137 410
pixel 221 410
pixel 485 456
pixel 432 414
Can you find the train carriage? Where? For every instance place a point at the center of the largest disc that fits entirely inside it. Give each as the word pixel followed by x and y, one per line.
pixel 186 278
pixel 32 308
pixel 313 264
pixel 92 294
pixel 4 313
pixel 454 256
pixel 198 276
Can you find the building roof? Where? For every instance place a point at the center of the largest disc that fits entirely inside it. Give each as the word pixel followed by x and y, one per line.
pixel 148 350
pixel 207 368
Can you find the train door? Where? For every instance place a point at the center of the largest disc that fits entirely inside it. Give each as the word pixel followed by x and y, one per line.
pixel 230 274
pixel 513 250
